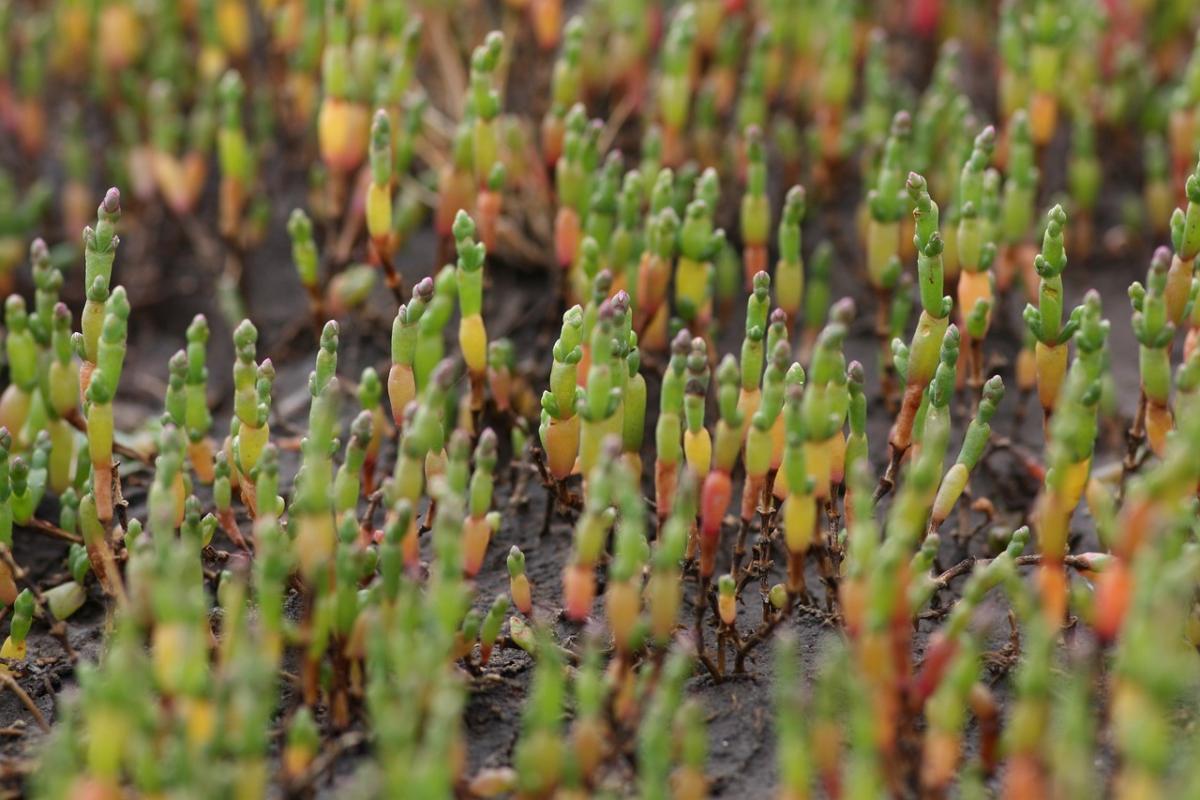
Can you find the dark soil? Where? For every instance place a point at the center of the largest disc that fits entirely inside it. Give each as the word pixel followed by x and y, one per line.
pixel 169 281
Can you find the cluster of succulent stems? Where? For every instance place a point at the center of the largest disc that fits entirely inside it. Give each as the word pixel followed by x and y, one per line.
pixel 287 574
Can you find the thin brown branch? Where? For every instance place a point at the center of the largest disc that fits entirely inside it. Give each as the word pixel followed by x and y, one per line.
pixel 52 530
pixel 8 680
pixel 328 757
